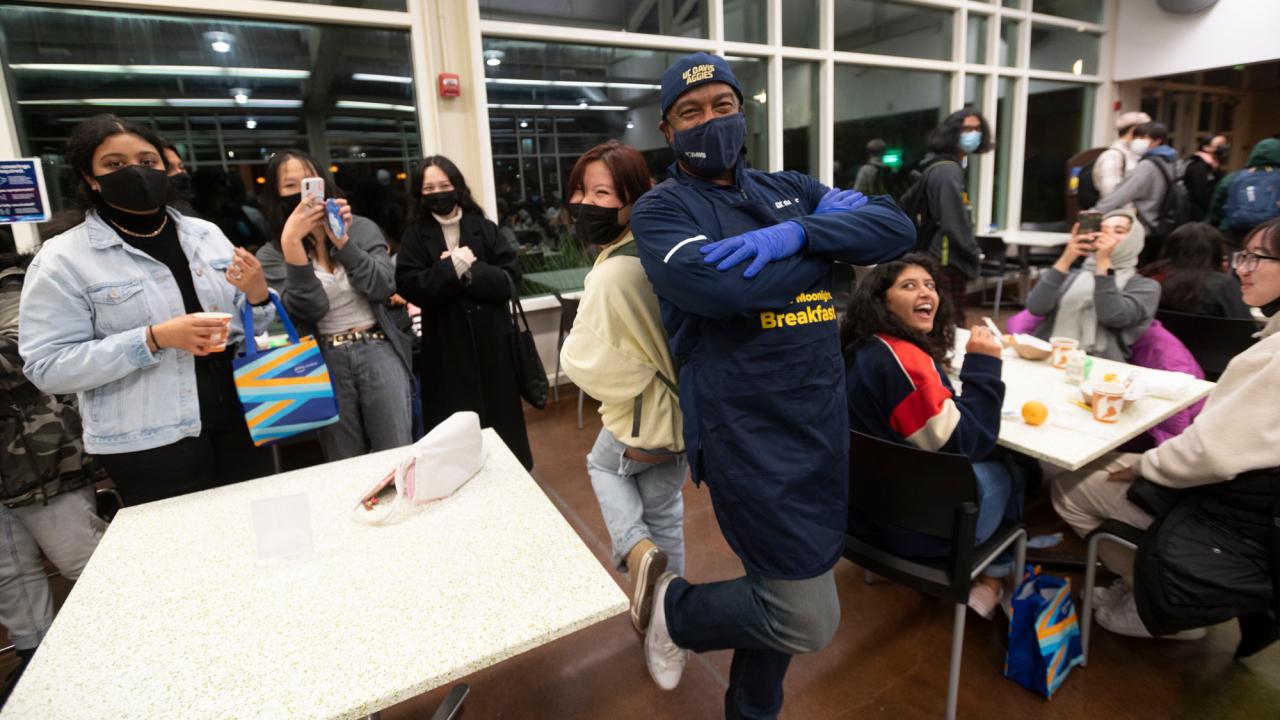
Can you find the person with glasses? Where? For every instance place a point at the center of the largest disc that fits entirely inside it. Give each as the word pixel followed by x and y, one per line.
pixel 1237 433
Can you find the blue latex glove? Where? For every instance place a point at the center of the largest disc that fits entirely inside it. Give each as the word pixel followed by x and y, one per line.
pixel 761 246
pixel 837 200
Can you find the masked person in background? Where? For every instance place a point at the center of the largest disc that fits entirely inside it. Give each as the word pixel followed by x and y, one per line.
pixel 741 262
pixel 112 310
pixel 617 353
pixel 180 180
pixel 456 267
pixel 1203 171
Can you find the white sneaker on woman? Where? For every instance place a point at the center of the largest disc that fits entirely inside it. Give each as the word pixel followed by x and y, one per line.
pixel 665 659
pixel 1122 619
pixel 1114 593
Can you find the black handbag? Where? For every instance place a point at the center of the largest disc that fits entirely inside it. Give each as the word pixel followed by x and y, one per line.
pixel 531 376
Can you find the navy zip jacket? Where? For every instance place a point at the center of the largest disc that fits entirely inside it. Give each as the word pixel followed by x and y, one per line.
pixel 761 375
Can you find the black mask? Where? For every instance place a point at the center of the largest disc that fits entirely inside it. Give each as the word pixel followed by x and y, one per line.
pixel 1221 152
pixel 595 225
pixel 289 203
pixel 441 203
pixel 182 186
pixel 135 188
pixel 1271 308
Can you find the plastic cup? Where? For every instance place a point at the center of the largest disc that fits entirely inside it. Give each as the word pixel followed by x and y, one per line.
pixel 1062 347
pixel 219 342
pixel 1108 402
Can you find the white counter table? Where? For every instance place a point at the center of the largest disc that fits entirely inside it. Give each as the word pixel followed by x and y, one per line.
pixel 175 617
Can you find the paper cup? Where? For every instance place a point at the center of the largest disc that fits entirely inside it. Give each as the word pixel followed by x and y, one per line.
pixel 219 342
pixel 1062 347
pixel 1108 402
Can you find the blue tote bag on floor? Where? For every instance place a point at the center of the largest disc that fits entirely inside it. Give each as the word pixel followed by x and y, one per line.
pixel 284 390
pixel 1044 634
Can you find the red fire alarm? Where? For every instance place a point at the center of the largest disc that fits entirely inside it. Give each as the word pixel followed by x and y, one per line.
pixel 450 85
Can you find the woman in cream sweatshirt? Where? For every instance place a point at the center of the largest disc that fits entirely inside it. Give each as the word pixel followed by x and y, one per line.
pixel 617 353
pixel 1238 431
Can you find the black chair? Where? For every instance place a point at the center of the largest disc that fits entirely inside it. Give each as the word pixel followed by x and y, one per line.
pixel 1213 341
pixel 1041 257
pixel 933 493
pixel 994 264
pixel 1111 531
pixel 568 312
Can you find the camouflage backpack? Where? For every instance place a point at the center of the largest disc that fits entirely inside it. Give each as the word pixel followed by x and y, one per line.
pixel 41 453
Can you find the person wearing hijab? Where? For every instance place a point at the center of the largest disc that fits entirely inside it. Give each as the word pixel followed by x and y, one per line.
pixel 1105 304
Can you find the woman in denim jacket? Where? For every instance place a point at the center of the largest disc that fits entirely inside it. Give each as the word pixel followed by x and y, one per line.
pixel 110 311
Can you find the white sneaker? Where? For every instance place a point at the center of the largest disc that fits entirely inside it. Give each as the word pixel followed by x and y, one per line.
pixel 665 659
pixel 1122 619
pixel 1109 596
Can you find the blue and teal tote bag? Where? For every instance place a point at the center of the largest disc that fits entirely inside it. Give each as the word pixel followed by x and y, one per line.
pixel 284 390
pixel 1044 635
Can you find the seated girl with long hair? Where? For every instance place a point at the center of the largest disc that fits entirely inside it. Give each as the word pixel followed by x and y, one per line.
pixel 896 336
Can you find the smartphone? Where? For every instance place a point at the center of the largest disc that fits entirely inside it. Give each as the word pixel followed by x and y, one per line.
pixel 1090 221
pixel 336 223
pixel 312 190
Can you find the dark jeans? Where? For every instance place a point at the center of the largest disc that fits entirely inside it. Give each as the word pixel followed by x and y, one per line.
pixel 764 621
pixel 374 391
pixel 221 455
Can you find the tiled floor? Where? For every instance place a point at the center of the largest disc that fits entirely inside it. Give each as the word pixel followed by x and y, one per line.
pixel 888 659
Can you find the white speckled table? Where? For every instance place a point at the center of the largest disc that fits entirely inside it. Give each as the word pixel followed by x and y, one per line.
pixel 1071 438
pixel 175 617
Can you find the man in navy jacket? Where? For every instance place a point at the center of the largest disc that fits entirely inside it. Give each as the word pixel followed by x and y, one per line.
pixel 761 380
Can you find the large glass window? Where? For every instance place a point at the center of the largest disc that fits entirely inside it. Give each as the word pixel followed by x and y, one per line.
pixel 1087 10
pixel 681 19
pixel 746 20
pixel 893 28
pixel 1004 141
pixel 899 107
pixel 800 23
pixel 975 46
pixel 1059 125
pixel 974 89
pixel 1007 54
pixel 753 76
pixel 228 93
pixel 800 116
pixel 1064 50
pixel 364 4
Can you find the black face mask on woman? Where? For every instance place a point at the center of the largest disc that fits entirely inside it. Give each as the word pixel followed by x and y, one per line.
pixel 441 203
pixel 134 188
pixel 595 225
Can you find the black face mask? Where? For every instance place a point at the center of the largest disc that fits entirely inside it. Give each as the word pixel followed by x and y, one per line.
pixel 289 203
pixel 595 225
pixel 135 188
pixel 182 186
pixel 441 203
pixel 1221 152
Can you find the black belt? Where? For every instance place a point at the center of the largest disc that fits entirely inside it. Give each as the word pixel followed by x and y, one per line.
pixel 344 338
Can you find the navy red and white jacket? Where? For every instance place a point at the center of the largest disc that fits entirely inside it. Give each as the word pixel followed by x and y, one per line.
pixel 897 392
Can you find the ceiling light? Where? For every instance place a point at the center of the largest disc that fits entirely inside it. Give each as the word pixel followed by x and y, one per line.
pixel 761 97
pixel 240 95
pixel 373 77
pixel 582 102
pixel 177 70
pixel 333 168
pixel 251 123
pixel 493 58
pixel 168 102
pixel 219 42
pixel 630 124
pixel 574 83
pixel 363 105
pixel 261 180
pixel 1077 67
pixel 526 106
pixel 231 153
pixel 221 46
pixel 524 123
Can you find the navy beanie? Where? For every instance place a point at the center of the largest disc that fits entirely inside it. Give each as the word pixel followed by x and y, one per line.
pixel 691 71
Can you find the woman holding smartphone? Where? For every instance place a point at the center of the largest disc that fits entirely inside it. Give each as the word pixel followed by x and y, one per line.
pixel 112 310
pixel 1105 303
pixel 338 288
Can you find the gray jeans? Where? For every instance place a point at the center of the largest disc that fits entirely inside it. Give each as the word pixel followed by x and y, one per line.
pixel 639 500
pixel 67 530
pixel 373 390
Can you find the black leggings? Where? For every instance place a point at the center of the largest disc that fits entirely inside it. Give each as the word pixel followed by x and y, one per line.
pixel 220 455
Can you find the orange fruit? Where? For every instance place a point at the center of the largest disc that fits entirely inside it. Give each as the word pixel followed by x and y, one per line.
pixel 1035 413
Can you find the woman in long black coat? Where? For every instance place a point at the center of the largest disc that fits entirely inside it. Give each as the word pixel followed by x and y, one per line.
pixel 456 267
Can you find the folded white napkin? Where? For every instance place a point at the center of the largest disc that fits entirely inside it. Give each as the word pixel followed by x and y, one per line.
pixel 1168 385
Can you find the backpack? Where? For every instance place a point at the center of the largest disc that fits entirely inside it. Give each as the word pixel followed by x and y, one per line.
pixel 1175 205
pixel 1087 194
pixel 915 203
pixel 1253 198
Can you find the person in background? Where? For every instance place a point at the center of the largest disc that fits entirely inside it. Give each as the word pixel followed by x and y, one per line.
pixel 1118 160
pixel 47 505
pixel 741 262
pixel 109 311
pixel 617 353
pixel 897 335
pixel 1203 171
pixel 1105 304
pixel 338 289
pixel 1145 187
pixel 180 179
pixel 1192 274
pixel 870 178
pixel 945 227
pixel 1236 219
pixel 456 267
pixel 1237 432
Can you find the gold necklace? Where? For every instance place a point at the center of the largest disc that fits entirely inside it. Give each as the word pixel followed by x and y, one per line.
pixel 163 224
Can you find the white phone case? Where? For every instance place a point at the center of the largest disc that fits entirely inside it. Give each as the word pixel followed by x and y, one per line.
pixel 312 189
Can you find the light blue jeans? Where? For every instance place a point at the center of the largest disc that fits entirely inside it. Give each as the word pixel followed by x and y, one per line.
pixel 639 500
